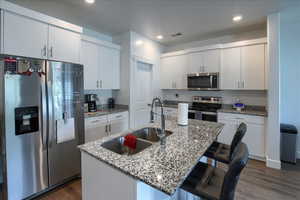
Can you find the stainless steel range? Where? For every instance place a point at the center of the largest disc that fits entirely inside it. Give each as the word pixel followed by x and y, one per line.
pixel 41 115
pixel 205 108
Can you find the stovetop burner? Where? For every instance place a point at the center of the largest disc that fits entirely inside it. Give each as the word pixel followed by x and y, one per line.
pixel 207 104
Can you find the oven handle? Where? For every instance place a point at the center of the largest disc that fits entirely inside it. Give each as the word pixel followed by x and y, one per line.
pixel 205 113
pixel 209 113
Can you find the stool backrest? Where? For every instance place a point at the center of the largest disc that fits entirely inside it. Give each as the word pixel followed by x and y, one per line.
pixel 240 159
pixel 237 139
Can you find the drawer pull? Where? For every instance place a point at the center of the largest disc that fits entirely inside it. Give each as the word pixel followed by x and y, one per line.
pixel 96 121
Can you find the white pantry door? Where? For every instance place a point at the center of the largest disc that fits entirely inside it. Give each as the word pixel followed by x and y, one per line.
pixel 142 93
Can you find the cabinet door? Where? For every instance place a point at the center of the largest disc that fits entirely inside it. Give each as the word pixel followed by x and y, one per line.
pixel 174 72
pixel 24 37
pixel 109 68
pixel 180 72
pixel 253 67
pixel 195 63
pixel 89 57
pixel 230 68
pixel 166 73
pixel 64 45
pixel 228 131
pixel 118 126
pixel 211 60
pixel 95 129
pixel 255 139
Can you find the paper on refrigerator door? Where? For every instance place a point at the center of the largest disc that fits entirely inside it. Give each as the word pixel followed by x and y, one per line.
pixel 65 130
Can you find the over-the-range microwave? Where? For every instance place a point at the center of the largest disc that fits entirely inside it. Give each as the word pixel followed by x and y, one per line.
pixel 203 81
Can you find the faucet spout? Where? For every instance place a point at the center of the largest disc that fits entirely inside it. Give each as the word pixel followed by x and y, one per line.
pixel 163 120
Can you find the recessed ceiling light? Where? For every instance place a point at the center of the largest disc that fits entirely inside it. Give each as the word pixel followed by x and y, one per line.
pixel 160 37
pixel 139 42
pixel 237 18
pixel 90 1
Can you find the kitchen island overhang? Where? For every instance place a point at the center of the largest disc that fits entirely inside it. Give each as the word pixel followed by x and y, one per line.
pixel 163 169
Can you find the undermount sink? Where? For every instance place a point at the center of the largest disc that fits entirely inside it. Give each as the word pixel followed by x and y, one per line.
pixel 145 138
pixel 116 145
pixel 150 134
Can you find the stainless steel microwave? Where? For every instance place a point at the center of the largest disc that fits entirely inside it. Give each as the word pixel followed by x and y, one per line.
pixel 203 81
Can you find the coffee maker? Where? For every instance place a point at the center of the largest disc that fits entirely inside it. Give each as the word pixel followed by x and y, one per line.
pixel 91 100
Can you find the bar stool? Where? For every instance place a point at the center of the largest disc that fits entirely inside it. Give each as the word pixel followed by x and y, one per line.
pixel 223 152
pixel 211 183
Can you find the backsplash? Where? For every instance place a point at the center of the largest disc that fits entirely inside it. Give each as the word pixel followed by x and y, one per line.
pixel 257 98
pixel 103 95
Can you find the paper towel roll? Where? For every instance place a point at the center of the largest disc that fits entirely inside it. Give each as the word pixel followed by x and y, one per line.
pixel 182 114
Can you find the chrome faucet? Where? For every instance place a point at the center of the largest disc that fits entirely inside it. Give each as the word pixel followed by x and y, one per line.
pixel 162 135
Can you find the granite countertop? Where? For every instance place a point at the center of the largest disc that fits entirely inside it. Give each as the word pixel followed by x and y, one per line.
pixel 105 111
pixel 249 110
pixel 164 169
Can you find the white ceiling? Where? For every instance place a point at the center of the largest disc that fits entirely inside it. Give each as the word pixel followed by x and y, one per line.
pixel 196 19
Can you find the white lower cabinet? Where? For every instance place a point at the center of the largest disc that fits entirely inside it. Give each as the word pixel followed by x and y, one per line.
pixel 255 135
pixel 99 127
pixel 95 128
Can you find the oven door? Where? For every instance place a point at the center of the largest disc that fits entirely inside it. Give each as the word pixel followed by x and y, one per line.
pixel 204 81
pixel 210 116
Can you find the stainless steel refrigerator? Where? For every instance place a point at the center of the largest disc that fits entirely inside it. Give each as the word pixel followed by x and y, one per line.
pixel 42 123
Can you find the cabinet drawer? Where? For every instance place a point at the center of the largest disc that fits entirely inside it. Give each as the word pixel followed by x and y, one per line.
pixel 242 117
pixel 94 121
pixel 118 116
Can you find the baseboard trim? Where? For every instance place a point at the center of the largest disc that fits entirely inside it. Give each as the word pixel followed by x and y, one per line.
pixel 275 164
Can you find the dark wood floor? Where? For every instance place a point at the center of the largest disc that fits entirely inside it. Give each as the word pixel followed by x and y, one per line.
pixel 257 182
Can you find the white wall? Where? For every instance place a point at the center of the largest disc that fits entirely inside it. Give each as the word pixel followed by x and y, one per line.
pixel 290 67
pixel 257 98
pixel 97 35
pixel 273 128
pixel 217 40
pixel 149 51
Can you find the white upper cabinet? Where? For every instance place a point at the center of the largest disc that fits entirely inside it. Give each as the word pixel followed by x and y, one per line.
pixel 211 60
pixel 64 45
pixel 195 63
pixel 24 37
pixel 174 71
pixel 31 34
pixel 89 57
pixel 101 65
pixel 110 68
pixel 253 67
pixel 204 61
pixel 243 68
pixel 230 68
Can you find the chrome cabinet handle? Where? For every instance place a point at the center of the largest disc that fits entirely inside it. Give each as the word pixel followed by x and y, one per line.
pixel 97 84
pixel 106 129
pixel 243 84
pixel 100 83
pixel 51 52
pixel 110 128
pixel 44 51
pixel 95 121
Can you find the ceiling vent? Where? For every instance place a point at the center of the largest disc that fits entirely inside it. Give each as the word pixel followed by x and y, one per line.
pixel 176 34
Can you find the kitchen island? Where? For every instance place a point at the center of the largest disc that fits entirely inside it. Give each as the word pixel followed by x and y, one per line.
pixel 154 173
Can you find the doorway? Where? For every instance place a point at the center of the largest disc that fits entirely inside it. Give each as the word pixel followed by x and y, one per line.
pixel 142 92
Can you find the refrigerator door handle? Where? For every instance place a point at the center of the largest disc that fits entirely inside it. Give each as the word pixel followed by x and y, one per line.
pixel 44 113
